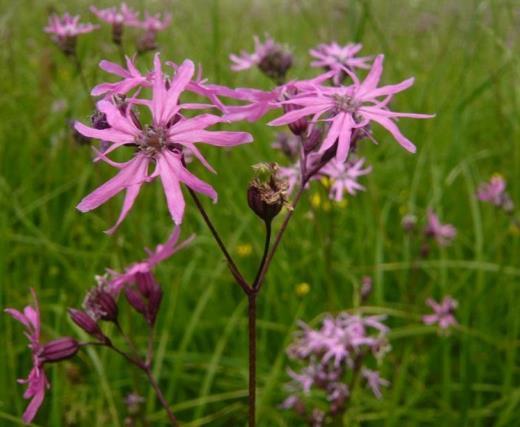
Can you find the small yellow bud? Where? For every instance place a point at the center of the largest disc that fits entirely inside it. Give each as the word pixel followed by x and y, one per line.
pixel 303 289
pixel 316 200
pixel 244 249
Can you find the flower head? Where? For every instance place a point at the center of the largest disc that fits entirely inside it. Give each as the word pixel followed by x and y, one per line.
pixel 344 176
pixel 117 281
pixel 37 382
pixel 442 233
pixel 351 108
pixel 159 143
pixel 494 192
pixel 155 23
pixel 443 312
pixel 64 30
pixel 117 16
pixel 374 381
pixel 335 57
pixel 270 57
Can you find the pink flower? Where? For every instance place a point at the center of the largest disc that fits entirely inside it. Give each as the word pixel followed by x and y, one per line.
pixel 122 16
pixel 374 381
pixel 37 382
pixel 335 57
pixel 145 267
pixel 351 107
pixel 246 60
pixel 344 176
pixel 132 78
pixel 160 143
pixel 155 23
pixel 442 233
pixel 494 191
pixel 67 26
pixel 443 312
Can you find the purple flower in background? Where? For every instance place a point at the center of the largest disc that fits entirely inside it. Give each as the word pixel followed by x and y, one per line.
pixel 442 233
pixel 117 16
pixel 67 26
pixel 160 144
pixel 349 108
pixel 65 29
pixel 443 312
pixel 132 78
pixel 37 382
pixel 335 57
pixel 270 57
pixel 374 381
pixel 246 60
pixel 492 191
pixel 288 144
pixel 155 23
pixel 117 281
pixel 344 176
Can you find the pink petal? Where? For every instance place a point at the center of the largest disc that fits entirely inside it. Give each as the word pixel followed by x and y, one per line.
pixel 132 192
pixel 110 135
pixel 125 178
pixel 216 138
pixel 294 115
pixel 389 125
pixel 372 79
pixel 113 68
pixel 389 89
pixel 168 166
pixel 116 120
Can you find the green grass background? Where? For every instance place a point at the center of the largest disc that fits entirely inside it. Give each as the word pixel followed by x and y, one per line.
pixel 464 55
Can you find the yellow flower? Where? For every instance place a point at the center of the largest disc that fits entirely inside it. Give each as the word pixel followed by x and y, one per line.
pixel 244 249
pixel 302 289
pixel 326 181
pixel 326 206
pixel 343 203
pixel 316 200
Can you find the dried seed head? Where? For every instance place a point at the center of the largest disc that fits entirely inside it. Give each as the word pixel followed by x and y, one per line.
pixel 267 192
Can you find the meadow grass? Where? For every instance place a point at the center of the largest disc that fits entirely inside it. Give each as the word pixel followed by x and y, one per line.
pixel 464 56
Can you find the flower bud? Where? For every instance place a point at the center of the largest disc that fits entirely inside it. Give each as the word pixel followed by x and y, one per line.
pixel 59 349
pixel 312 141
pixel 267 193
pixel 88 324
pixel 146 283
pixel 147 42
pixel 117 33
pixel 99 120
pixel 154 303
pixel 276 63
pixel 135 299
pixel 101 305
pixel 299 126
pixel 366 288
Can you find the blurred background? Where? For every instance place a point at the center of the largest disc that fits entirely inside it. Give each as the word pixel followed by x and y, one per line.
pixel 464 56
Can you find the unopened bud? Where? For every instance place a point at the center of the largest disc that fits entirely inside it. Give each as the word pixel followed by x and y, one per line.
pixel 298 127
pixel 154 304
pixel 59 349
pixel 117 33
pixel 99 120
pixel 312 141
pixel 135 299
pixel 88 324
pixel 101 305
pixel 409 222
pixel 147 42
pixel 276 63
pixel 146 283
pixel 366 288
pixel 267 193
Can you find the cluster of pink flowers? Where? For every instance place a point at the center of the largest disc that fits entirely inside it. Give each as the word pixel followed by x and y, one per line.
pixel 443 313
pixel 331 355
